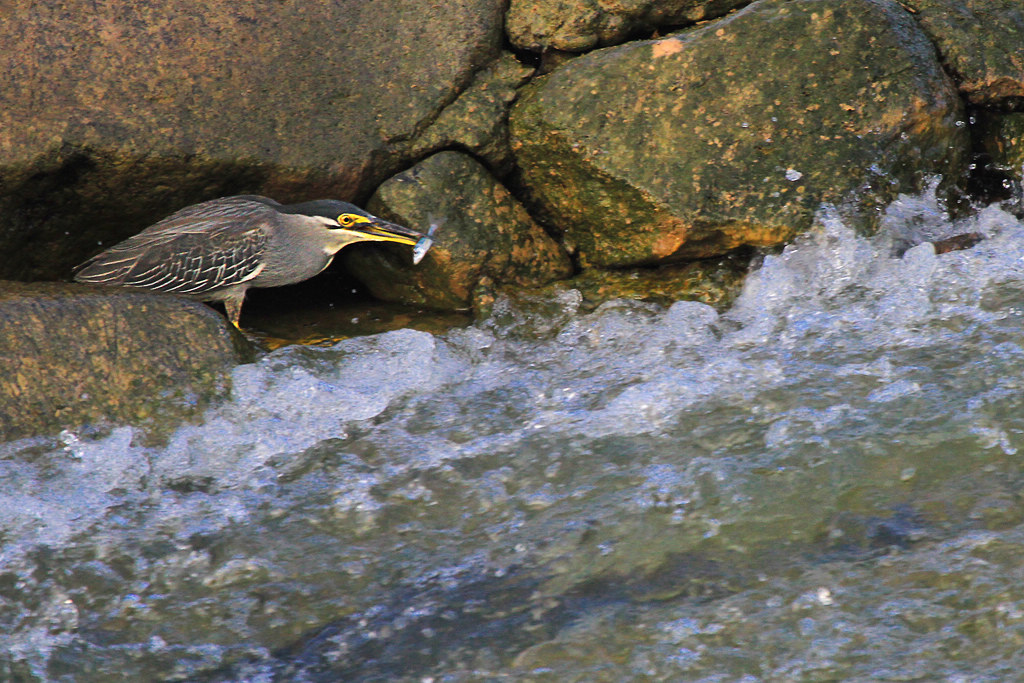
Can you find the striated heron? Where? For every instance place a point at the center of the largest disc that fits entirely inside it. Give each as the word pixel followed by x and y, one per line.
pixel 216 250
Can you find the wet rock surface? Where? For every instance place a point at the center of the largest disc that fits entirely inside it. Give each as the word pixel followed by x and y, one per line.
pixel 486 238
pixel 97 144
pixel 71 355
pixel 714 282
pixel 716 137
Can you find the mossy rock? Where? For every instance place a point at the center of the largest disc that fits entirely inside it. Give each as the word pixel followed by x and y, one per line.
pixel 736 132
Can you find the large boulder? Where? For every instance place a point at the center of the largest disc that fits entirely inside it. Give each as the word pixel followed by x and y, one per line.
pixel 486 238
pixel 73 354
pixel 118 113
pixel 737 131
pixel 981 43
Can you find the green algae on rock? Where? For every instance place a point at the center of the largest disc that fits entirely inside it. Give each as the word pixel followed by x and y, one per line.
pixel 715 282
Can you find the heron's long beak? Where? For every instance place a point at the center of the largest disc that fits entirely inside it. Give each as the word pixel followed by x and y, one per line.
pixel 379 230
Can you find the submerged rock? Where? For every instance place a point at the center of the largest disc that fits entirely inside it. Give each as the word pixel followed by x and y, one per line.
pixel 958 242
pixel 737 131
pixel 486 238
pixel 71 355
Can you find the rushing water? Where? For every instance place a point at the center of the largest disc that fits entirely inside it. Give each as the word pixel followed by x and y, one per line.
pixel 820 484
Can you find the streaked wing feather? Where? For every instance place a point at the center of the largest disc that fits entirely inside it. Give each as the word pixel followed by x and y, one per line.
pixel 199 249
pixel 195 264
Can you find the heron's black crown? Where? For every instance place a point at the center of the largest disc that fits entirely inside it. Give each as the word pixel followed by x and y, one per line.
pixel 329 208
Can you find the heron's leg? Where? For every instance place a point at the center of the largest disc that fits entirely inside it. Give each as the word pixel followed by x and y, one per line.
pixel 233 307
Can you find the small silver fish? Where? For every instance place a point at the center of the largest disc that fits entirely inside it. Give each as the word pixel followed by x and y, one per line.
pixel 420 250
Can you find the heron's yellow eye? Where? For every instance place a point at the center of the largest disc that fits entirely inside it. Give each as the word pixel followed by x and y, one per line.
pixel 346 219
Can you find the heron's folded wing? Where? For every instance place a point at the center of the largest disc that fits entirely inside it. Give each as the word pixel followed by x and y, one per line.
pixel 186 261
